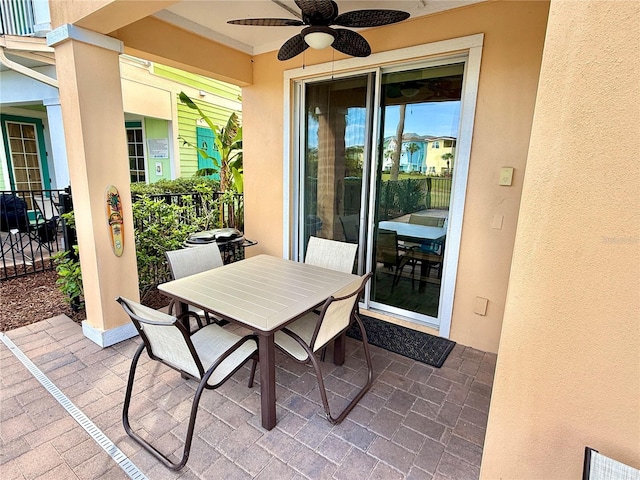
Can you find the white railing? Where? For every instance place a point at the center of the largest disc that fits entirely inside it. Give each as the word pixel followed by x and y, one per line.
pixel 25 18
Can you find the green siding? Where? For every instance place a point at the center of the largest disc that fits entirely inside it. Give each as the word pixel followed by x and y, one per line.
pixel 187 123
pixel 217 87
pixel 157 128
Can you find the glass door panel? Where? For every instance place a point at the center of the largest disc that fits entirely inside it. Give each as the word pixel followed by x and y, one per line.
pixel 336 121
pixel 419 117
pixel 25 158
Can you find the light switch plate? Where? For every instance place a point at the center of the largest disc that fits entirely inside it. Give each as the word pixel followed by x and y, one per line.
pixel 506 176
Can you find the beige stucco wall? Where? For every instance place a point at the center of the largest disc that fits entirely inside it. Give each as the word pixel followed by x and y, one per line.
pixel 514 34
pixel 568 371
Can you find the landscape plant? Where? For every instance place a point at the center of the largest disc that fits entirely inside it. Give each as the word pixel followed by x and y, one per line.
pixel 159 225
pixel 67 266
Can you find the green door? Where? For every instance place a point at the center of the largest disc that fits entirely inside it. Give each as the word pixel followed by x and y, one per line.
pixel 206 143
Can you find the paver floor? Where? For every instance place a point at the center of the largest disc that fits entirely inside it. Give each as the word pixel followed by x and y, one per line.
pixel 416 422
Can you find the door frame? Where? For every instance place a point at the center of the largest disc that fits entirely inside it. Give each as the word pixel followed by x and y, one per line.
pixel 468 49
pixel 42 150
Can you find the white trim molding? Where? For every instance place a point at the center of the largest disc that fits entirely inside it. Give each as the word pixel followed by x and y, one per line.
pixel 71 32
pixel 106 338
pixel 466 49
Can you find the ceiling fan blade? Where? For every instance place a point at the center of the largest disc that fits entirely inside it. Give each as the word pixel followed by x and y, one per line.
pixel 292 47
pixel 370 18
pixel 317 12
pixel 267 22
pixel 351 43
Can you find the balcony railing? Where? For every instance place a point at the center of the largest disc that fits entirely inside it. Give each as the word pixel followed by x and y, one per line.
pixel 17 17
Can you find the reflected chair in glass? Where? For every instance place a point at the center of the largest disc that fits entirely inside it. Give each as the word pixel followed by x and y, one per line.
pixel 192 260
pixel 210 355
pixel 350 227
pixel 431 256
pixel 391 255
pixel 302 339
pixel 331 254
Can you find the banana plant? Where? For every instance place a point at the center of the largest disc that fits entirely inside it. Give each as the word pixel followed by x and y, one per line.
pixel 228 142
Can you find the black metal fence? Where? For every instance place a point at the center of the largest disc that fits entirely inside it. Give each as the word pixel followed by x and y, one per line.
pixel 31 231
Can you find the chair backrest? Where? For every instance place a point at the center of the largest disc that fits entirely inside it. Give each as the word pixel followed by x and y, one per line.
pixel 601 467
pixel 387 247
pixel 337 312
pixel 331 254
pixel 192 260
pixel 427 221
pixel 164 337
pixel 350 227
pixel 13 212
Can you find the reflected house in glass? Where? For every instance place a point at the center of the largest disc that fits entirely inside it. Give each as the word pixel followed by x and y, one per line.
pixel 427 154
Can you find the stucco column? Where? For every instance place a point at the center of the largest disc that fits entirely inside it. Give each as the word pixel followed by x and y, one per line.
pixel 568 369
pixel 91 98
pixel 58 146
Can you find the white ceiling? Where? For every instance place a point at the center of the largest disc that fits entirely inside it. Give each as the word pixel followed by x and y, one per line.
pixel 208 18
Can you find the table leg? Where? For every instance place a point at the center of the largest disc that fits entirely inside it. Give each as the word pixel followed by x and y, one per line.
pixel 338 349
pixel 424 272
pixel 181 308
pixel 267 354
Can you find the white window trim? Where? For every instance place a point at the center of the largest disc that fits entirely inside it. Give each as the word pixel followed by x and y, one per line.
pixel 471 46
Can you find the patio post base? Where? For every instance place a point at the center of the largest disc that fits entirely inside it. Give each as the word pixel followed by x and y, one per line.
pixel 106 338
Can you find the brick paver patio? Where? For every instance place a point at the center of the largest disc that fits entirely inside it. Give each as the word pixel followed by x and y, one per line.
pixel 416 422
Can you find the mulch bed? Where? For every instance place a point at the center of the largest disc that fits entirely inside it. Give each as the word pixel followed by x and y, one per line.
pixel 31 298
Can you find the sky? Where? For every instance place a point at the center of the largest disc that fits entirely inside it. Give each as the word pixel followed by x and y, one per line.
pixel 434 118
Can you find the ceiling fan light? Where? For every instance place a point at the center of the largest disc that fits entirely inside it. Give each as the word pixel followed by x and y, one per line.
pixel 319 40
pixel 409 91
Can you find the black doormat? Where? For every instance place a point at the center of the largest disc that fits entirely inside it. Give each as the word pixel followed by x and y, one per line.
pixel 419 346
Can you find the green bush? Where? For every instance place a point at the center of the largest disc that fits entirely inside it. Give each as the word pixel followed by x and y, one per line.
pixel 67 265
pixel 158 227
pixel 179 185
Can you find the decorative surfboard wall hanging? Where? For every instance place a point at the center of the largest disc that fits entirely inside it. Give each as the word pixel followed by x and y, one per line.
pixel 114 218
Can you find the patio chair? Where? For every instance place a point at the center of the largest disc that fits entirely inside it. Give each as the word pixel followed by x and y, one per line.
pixel 192 260
pixel 312 332
pixel 350 227
pixel 211 355
pixel 25 227
pixel 600 467
pixel 392 256
pixel 331 254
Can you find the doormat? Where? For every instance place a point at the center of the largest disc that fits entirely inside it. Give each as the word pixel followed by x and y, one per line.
pixel 418 346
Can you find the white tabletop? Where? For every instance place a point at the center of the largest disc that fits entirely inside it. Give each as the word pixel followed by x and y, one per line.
pixel 414 231
pixel 261 292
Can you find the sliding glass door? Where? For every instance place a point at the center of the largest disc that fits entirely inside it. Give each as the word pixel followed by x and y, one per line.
pixel 377 163
pixel 419 117
pixel 336 159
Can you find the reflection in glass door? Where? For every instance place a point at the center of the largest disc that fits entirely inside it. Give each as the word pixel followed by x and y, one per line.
pixel 419 117
pixel 382 178
pixel 334 161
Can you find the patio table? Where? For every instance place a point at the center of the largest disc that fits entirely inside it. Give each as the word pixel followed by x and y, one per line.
pixel 262 293
pixel 412 231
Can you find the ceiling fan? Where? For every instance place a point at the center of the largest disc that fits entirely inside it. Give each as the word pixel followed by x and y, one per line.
pixel 317 16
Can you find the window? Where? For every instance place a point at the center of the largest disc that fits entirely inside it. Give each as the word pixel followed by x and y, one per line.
pixel 436 144
pixel 135 143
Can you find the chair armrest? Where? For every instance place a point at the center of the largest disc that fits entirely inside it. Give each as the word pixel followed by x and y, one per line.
pixel 184 316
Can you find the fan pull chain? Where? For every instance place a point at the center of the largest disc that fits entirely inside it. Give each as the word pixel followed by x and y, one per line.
pixel 333 60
